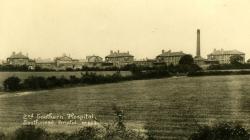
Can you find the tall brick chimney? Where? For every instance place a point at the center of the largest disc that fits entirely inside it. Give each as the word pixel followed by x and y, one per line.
pixel 198 49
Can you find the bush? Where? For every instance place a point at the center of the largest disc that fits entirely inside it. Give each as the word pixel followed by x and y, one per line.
pixel 2 136
pixel 35 83
pixel 222 131
pixel 74 80
pixel 53 82
pixel 117 130
pixel 30 132
pixel 12 84
pixel 188 68
pixel 86 133
pixel 14 68
pixel 228 66
pixel 58 136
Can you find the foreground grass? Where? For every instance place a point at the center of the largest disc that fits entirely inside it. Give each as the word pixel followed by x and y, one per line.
pixel 112 131
pixel 221 131
pixel 219 73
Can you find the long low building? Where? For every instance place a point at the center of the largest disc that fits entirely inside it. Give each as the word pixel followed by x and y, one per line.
pixel 223 56
pixel 119 59
pixel 170 57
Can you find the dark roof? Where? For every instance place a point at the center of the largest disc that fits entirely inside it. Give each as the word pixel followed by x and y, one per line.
pixel 18 56
pixel 220 52
pixel 115 54
pixel 166 54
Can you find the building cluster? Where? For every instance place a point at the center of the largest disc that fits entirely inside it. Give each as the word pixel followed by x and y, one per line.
pixel 121 59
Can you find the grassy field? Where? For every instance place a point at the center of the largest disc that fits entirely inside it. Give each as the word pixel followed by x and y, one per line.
pixel 171 108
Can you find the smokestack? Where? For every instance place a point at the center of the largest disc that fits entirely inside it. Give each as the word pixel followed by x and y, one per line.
pixel 198 49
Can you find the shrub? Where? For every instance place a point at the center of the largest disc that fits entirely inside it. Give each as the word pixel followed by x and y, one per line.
pixel 74 80
pixel 30 132
pixel 118 130
pixel 188 68
pixel 12 84
pixel 2 136
pixel 86 133
pixel 35 83
pixel 59 136
pixel 221 131
pixel 63 81
pixel 52 82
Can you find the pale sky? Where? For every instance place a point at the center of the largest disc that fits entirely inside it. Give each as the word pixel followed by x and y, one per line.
pixel 49 28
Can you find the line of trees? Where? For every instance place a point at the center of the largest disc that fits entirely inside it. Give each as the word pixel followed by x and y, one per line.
pixel 236 62
pixel 37 82
pixel 14 68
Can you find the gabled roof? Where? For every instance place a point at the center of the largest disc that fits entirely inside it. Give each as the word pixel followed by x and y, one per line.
pixel 18 56
pixel 220 52
pixel 89 57
pixel 64 58
pixel 115 54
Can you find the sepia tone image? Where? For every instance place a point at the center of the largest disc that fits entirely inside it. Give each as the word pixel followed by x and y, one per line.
pixel 124 70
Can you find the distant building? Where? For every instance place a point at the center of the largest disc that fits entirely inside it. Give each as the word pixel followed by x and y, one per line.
pixel 45 64
pixel 169 57
pixel 65 62
pixel 119 59
pixel 18 59
pixel 223 56
pixel 79 64
pixel 145 62
pixel 94 61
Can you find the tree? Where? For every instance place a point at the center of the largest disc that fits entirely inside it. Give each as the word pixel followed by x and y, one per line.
pixel 12 83
pixel 236 59
pixel 221 131
pixel 186 60
pixel 30 132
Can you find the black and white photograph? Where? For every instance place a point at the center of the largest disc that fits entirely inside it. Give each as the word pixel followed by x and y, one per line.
pixel 124 69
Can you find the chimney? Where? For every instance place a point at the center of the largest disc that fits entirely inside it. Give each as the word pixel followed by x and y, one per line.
pixel 162 51
pixel 198 49
pixel 111 52
pixel 118 51
pixel 13 53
